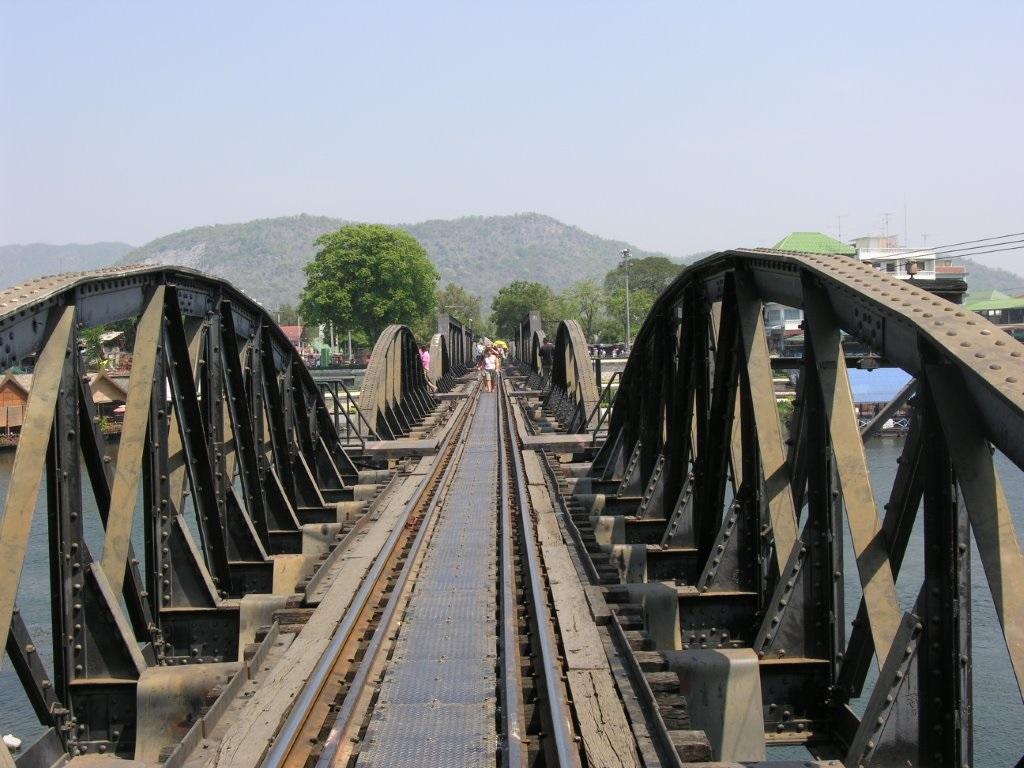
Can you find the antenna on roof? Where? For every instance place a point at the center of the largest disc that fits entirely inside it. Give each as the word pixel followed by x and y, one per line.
pixel 906 242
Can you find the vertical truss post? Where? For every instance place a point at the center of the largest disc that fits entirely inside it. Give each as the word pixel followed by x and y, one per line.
pixel 712 467
pixel 944 655
pixel 679 416
pixel 209 509
pixel 30 461
pixel 101 476
pixel 219 444
pixel 242 425
pixel 873 564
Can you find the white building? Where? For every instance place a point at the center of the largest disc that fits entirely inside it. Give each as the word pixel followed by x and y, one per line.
pixel 885 254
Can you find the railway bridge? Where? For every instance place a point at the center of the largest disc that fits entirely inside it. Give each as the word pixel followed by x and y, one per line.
pixel 659 569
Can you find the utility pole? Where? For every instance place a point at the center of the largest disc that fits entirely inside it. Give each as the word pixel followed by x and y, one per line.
pixel 350 345
pixel 626 256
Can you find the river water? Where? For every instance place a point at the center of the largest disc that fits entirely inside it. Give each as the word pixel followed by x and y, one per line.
pixel 999 713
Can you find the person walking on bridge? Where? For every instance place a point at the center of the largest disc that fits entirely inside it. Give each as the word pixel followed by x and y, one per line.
pixel 490 368
pixel 547 357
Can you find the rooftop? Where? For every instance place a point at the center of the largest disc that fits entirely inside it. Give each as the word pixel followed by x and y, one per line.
pixel 814 242
pixel 993 300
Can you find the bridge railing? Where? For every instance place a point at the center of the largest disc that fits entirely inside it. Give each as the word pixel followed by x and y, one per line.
pixel 602 410
pixel 756 510
pixel 345 414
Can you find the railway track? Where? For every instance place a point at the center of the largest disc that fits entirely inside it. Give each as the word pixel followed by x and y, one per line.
pixel 449 653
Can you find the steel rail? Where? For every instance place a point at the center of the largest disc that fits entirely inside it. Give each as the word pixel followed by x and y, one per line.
pixel 346 714
pixel 655 723
pixel 562 731
pixel 513 753
pixel 297 716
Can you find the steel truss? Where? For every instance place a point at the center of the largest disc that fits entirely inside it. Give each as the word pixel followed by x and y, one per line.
pixel 451 352
pixel 755 514
pixel 396 397
pixel 571 390
pixel 226 457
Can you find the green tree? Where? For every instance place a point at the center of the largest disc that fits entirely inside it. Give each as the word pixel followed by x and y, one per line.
pixel 640 303
pixel 460 304
pixel 583 302
pixel 286 314
pixel 647 279
pixel 651 274
pixel 515 300
pixel 367 276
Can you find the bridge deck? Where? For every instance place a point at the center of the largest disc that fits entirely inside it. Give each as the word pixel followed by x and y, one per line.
pixel 438 699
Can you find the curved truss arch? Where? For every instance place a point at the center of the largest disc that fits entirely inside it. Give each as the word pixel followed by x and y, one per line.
pixel 757 518
pixel 440 373
pixel 227 458
pixel 574 392
pixel 458 341
pixel 395 396
pixel 533 358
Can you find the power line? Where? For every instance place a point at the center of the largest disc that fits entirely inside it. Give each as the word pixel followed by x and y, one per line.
pixel 977 247
pixel 966 247
pixel 982 253
pixel 981 240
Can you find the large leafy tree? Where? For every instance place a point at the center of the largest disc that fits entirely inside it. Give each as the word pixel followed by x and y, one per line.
pixel 583 302
pixel 515 300
pixel 367 276
pixel 287 314
pixel 647 278
pixel 460 304
pixel 640 303
pixel 651 274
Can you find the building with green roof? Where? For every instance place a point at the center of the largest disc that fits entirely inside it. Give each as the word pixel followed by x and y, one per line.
pixel 814 242
pixel 1001 309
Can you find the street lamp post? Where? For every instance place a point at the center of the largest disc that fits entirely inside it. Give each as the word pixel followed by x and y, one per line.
pixel 626 257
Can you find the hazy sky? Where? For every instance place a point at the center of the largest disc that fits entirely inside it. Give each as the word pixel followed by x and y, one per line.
pixel 676 126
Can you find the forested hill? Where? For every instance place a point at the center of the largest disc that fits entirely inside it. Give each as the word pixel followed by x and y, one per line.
pixel 981 278
pixel 263 257
pixel 19 263
pixel 480 253
pixel 483 253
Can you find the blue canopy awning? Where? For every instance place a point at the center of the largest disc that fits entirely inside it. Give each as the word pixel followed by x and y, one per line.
pixel 878 386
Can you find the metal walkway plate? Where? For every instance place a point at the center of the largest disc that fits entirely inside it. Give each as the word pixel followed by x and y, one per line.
pixel 438 700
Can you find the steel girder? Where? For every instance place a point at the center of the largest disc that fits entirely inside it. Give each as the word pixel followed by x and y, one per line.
pixel 573 393
pixel 226 451
pixel 523 345
pixel 395 396
pixel 451 352
pixel 459 339
pixel 571 389
pixel 695 438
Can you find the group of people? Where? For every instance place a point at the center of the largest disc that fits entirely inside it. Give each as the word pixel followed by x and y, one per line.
pixel 488 360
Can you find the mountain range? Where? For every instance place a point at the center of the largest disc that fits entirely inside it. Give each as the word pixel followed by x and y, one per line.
pixel 266 257
pixel 19 263
pixel 481 253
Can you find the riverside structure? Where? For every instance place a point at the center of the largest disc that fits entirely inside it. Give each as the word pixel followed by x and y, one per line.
pixel 648 572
